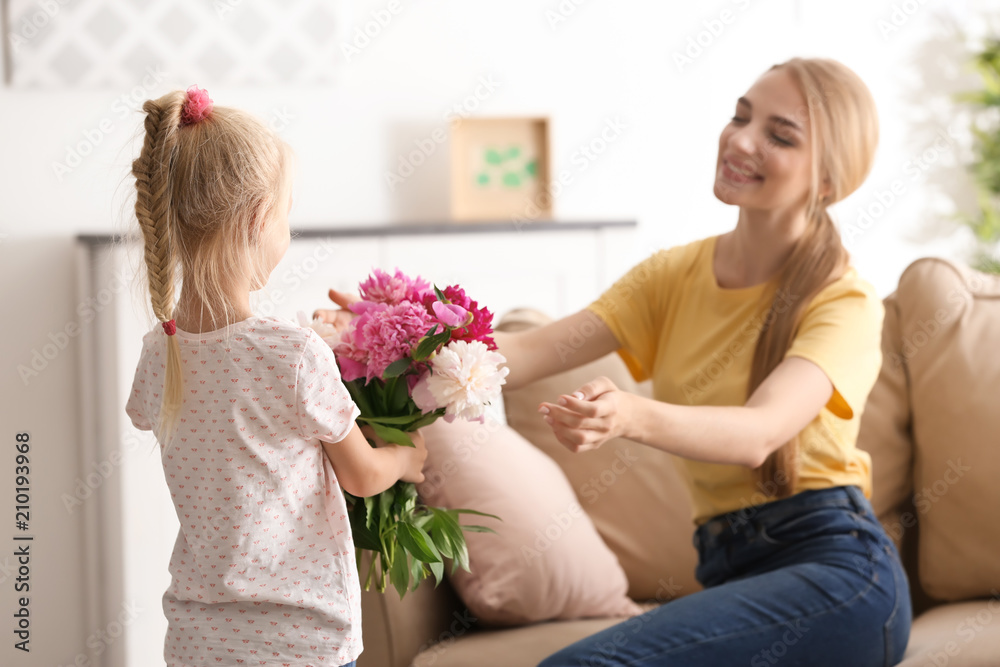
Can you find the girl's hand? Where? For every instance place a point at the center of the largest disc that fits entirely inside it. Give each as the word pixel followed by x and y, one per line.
pixel 411 459
pixel 340 317
pixel 415 457
pixel 594 414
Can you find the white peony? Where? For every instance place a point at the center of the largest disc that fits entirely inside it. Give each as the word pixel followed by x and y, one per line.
pixel 464 378
pixel 326 331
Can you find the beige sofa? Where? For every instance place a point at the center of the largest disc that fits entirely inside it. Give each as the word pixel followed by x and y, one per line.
pixel 931 424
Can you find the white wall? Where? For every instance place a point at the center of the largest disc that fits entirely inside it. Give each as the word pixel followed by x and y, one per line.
pixel 607 62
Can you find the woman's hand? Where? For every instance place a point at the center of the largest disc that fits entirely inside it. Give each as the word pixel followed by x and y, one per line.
pixel 340 317
pixel 592 415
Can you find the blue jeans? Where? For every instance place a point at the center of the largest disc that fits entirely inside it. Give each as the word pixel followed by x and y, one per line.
pixel 807 580
pixel 352 663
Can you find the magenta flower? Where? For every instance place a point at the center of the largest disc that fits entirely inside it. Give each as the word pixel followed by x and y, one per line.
pixel 197 106
pixel 392 289
pixel 450 314
pixel 457 296
pixel 481 325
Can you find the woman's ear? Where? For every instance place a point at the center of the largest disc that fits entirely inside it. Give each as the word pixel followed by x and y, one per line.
pixel 825 190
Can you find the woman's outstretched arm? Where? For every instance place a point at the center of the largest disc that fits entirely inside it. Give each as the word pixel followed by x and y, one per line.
pixel 558 346
pixel 784 403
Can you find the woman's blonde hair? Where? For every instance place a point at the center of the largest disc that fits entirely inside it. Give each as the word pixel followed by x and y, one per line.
pixel 843 124
pixel 204 192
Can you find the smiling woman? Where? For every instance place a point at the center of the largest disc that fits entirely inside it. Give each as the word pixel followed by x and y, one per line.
pixel 766 438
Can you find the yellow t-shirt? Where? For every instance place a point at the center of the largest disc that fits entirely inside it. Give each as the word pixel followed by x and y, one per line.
pixel 696 340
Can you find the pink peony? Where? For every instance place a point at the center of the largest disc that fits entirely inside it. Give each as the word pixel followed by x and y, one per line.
pixel 383 288
pixel 351 355
pixel 197 106
pixel 381 335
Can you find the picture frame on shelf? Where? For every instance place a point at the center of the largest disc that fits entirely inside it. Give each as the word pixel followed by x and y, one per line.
pixel 500 169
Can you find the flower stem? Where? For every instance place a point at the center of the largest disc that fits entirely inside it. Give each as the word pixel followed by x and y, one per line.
pixel 371 571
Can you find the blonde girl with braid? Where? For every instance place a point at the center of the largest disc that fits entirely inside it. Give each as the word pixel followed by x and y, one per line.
pixel 256 430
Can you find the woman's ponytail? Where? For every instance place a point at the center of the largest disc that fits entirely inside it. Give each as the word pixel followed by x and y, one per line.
pixel 843 124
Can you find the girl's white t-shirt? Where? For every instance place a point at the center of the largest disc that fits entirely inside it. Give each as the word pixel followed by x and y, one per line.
pixel 263 567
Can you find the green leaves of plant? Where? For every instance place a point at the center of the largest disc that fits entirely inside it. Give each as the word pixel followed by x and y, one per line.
pixel 409 540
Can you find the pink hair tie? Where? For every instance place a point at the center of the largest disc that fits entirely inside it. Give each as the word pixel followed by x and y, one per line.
pixel 170 327
pixel 197 107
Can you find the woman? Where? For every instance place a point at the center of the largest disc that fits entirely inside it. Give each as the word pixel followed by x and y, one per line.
pixel 763 344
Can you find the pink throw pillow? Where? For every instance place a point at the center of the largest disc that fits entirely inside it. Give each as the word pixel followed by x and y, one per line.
pixel 547 561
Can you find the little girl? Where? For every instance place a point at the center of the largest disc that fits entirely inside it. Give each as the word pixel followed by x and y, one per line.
pixel 256 429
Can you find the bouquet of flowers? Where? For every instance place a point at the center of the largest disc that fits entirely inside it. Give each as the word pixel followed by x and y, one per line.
pixel 412 355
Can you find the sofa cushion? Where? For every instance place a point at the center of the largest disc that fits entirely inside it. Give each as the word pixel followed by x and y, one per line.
pixel 518 647
pixel 950 325
pixel 885 432
pixel 634 494
pixel 546 560
pixel 963 634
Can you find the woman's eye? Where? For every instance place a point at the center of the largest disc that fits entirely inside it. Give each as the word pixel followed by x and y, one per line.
pixel 784 142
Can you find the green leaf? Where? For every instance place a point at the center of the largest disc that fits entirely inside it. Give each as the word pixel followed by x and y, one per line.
pixel 393 435
pixel 397 367
pixel 400 574
pixel 438 570
pixel 427 419
pixel 364 538
pixel 429 542
pixel 400 397
pixel 440 295
pixel 385 500
pixel 492 516
pixel 421 520
pixel 406 498
pixel 357 393
pixel 478 529
pixel 398 420
pixel 417 572
pixel 370 512
pixel 373 392
pixel 406 490
pixel 417 542
pixel 430 343
pixel 448 524
pixel 440 535
pixel 425 348
pixel 386 391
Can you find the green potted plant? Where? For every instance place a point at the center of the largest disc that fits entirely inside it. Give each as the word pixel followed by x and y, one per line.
pixel 985 223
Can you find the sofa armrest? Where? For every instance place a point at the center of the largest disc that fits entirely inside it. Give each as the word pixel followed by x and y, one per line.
pixel 395 630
